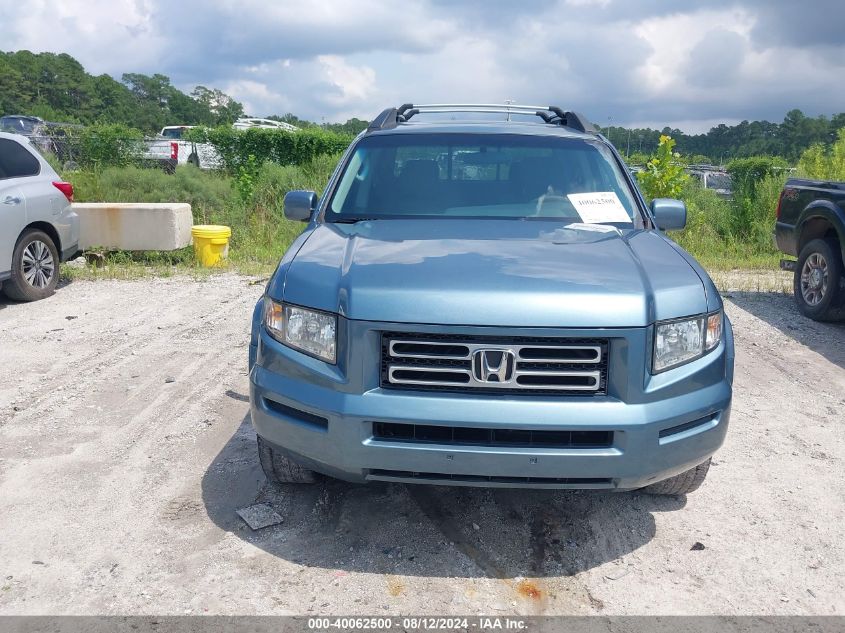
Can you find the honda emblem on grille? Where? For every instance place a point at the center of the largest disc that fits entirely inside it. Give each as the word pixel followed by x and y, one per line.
pixel 493 365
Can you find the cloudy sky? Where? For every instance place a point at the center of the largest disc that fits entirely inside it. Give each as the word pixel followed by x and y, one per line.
pixel 643 62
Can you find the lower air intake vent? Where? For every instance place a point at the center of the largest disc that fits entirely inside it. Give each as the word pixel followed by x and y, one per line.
pixel 556 481
pixel 470 436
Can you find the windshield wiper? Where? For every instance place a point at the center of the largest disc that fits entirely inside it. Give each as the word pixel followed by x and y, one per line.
pixel 352 220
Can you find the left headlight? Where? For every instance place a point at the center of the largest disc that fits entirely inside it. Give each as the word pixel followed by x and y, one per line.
pixel 683 340
pixel 309 331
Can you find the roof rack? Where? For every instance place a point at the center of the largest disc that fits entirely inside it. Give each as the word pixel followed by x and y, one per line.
pixel 391 117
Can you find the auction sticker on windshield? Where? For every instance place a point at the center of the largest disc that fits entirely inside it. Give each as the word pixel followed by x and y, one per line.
pixel 598 207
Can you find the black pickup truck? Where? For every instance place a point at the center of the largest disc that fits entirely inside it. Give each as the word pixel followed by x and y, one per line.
pixel 811 226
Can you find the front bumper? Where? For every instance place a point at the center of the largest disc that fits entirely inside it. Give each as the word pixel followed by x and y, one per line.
pixel 321 417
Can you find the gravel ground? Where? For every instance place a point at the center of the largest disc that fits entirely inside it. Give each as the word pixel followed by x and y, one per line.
pixel 126 449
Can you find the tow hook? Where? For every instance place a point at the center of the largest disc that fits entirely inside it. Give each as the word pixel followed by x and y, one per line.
pixel 788 264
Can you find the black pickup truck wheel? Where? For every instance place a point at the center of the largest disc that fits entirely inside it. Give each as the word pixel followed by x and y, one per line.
pixel 818 274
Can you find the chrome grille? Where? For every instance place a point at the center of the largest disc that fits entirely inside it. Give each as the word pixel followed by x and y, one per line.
pixel 494 364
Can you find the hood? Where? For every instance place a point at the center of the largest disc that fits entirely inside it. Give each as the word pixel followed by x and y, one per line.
pixel 491 273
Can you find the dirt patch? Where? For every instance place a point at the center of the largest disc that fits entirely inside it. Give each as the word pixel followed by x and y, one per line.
pixel 119 489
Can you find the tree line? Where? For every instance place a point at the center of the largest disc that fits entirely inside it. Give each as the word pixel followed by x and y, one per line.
pixel 722 143
pixel 57 88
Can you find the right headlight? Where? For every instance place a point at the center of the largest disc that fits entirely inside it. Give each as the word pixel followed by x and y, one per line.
pixel 680 341
pixel 309 331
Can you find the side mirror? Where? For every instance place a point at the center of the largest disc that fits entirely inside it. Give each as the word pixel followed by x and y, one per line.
pixel 669 214
pixel 299 205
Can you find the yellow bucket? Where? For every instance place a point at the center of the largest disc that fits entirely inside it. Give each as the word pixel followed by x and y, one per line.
pixel 211 243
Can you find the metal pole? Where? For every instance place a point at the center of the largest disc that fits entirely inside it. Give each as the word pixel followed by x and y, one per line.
pixel 508 102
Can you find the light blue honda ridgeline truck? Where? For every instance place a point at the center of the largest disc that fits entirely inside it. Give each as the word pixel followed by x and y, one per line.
pixel 482 297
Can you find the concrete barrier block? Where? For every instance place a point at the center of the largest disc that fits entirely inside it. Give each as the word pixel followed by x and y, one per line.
pixel 135 226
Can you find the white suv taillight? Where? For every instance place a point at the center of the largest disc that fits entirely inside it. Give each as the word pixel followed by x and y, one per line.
pixel 66 188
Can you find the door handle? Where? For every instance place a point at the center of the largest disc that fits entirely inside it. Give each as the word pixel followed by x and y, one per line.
pixel 11 200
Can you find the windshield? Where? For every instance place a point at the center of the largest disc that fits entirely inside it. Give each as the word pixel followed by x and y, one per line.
pixel 17 125
pixel 174 133
pixel 483 175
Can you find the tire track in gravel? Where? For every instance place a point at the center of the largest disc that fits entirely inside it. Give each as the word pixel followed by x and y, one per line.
pixel 128 415
pixel 431 502
pixel 81 374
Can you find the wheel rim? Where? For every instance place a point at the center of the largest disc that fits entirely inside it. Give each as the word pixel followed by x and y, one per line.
pixel 38 264
pixel 814 279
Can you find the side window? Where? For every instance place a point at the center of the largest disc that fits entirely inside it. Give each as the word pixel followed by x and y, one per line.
pixel 15 161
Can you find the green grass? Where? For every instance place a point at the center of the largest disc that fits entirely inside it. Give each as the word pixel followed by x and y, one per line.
pixel 723 234
pixel 727 259
pixel 136 265
pixel 260 232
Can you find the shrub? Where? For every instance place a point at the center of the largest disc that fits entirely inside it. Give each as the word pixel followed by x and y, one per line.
pixel 752 180
pixel 824 163
pixel 107 145
pixel 700 159
pixel 664 175
pixel 637 158
pixel 745 173
pixel 708 219
pixel 244 182
pixel 274 181
pixel 278 146
pixel 724 233
pixel 260 231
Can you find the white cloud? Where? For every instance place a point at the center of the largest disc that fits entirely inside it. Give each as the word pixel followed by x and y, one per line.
pixel 587 3
pixel 97 32
pixel 352 83
pixel 257 97
pixel 706 67
pixel 672 39
pixel 658 62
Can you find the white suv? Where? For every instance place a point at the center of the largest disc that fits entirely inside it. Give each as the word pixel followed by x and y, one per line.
pixel 38 227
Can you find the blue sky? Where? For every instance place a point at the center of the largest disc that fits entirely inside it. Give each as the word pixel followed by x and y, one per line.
pixel 642 62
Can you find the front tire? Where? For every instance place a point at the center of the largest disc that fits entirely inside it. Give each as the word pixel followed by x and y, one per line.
pixel 818 274
pixel 35 268
pixel 688 481
pixel 281 470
